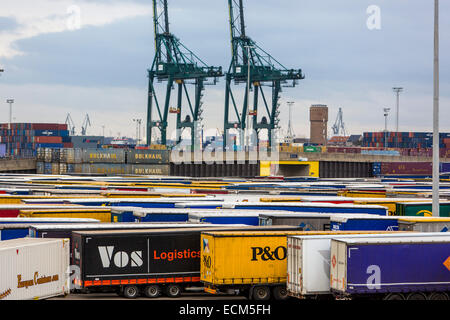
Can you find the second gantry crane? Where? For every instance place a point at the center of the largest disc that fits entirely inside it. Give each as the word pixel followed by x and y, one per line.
pixel 251 65
pixel 177 66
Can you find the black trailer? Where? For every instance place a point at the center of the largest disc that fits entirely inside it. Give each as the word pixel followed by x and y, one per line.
pixel 149 262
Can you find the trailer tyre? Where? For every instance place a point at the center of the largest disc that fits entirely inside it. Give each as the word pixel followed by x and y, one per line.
pixel 261 293
pixel 280 293
pixel 416 296
pixel 173 290
pixel 394 296
pixel 438 296
pixel 131 292
pixel 152 291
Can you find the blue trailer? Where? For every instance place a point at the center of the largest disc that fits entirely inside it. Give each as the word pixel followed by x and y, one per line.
pixel 124 214
pixel 349 222
pixel 161 215
pixel 14 231
pixel 289 206
pixel 391 268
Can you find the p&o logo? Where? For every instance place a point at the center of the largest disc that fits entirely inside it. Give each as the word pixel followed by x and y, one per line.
pixel 266 253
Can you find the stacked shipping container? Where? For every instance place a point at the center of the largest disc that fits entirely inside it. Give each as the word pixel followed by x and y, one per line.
pixel 23 139
pixel 103 161
pixel 416 143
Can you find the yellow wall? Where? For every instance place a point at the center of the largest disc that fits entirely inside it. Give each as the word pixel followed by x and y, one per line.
pixel 313 166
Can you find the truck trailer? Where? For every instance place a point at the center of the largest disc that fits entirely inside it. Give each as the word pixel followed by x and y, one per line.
pixel 148 261
pixel 409 268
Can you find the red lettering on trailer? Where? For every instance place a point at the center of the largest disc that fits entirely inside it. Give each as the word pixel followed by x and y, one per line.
pixel 175 254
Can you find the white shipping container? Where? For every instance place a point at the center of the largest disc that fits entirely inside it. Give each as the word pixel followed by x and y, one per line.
pixel 308 260
pixel 34 268
pixel 424 224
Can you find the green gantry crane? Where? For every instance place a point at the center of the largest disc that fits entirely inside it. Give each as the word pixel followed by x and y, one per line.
pixel 256 68
pixel 176 65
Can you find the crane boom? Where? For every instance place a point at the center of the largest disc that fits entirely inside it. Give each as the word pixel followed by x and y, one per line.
pixel 174 64
pixel 252 65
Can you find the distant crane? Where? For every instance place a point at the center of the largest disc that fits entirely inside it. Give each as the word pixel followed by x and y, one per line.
pixel 339 124
pixel 290 131
pixel 86 123
pixel 70 124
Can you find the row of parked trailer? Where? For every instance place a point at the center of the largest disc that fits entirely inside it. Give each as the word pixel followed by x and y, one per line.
pixel 261 239
pixel 257 262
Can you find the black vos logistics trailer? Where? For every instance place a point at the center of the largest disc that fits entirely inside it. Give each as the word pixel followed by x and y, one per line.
pixel 149 262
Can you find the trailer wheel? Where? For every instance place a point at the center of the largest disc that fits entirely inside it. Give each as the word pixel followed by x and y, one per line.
pixel 416 296
pixel 152 291
pixel 438 296
pixel 261 293
pixel 394 296
pixel 280 293
pixel 131 292
pixel 173 290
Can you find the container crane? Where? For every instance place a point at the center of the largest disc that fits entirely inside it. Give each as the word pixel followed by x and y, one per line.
pixel 338 125
pixel 86 123
pixel 70 124
pixel 175 65
pixel 253 66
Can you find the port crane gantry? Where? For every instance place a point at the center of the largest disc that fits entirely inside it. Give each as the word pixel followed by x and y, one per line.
pixel 70 124
pixel 252 65
pixel 175 65
pixel 339 124
pixel 86 123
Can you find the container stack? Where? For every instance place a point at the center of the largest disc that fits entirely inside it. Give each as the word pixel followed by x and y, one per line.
pixel 103 161
pixel 408 140
pixel 23 139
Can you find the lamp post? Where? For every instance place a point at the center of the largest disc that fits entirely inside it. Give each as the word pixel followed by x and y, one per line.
pixel 386 113
pixel 435 206
pixel 10 101
pixel 249 125
pixel 138 130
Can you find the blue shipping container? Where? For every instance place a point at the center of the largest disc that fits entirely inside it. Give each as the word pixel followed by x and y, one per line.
pixel 2 150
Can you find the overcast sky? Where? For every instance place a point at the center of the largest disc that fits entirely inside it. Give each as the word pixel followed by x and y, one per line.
pixel 55 66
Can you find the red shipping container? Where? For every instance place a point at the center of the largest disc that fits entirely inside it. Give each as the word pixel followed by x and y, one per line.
pixel 45 139
pixel 62 126
pixel 44 126
pixel 67 145
pixel 406 168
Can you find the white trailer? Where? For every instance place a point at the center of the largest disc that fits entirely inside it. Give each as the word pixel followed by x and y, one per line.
pixel 34 268
pixel 309 258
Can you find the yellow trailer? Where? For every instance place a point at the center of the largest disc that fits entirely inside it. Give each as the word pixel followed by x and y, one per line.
pixel 252 262
pixel 104 215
